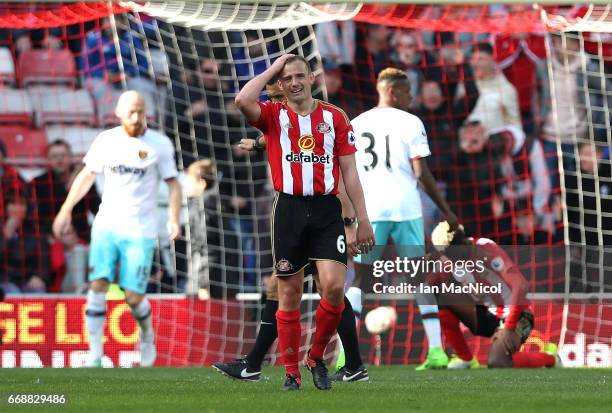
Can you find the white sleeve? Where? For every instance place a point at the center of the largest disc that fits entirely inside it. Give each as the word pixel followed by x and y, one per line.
pixel 95 157
pixel 417 141
pixel 166 164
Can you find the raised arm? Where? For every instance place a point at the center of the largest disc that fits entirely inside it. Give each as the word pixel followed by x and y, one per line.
pixel 247 98
pixel 80 186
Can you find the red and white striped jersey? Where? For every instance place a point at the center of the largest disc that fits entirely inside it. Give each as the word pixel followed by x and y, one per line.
pixel 303 151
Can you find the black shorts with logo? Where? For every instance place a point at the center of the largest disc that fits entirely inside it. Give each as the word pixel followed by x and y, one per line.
pixel 304 229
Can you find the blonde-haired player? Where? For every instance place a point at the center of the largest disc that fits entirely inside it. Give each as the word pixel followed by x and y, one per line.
pixel 133 159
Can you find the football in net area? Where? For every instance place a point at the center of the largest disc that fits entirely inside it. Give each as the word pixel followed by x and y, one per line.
pixel 515 101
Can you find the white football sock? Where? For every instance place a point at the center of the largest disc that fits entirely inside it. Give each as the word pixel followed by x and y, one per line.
pixel 94 316
pixel 431 323
pixel 142 314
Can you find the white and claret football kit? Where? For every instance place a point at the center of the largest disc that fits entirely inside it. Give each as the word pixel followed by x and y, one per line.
pixel 125 228
pixel 388 139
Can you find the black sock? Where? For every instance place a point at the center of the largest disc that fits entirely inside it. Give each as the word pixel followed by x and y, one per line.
pixel 266 335
pixel 347 330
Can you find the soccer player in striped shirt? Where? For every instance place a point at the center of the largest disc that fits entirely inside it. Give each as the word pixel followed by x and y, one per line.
pixel 308 143
pixel 249 367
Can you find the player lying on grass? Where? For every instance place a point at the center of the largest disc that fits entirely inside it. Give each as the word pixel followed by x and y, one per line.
pixel 505 317
pixel 249 367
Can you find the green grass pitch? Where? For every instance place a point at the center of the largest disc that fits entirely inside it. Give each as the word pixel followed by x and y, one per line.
pixel 391 389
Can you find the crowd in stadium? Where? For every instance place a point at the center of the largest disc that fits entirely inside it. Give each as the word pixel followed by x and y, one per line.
pixel 499 118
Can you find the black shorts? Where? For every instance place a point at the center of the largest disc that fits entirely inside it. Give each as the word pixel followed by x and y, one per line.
pixel 304 229
pixel 486 322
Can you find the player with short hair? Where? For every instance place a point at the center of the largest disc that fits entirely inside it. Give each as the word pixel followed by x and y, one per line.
pixel 249 367
pixel 506 316
pixel 133 160
pixel 391 151
pixel 308 143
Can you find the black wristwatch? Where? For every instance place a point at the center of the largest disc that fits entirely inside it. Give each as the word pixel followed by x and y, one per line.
pixel 258 146
pixel 350 221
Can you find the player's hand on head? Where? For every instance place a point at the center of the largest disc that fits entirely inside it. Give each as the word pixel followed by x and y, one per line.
pixel 174 230
pixel 280 62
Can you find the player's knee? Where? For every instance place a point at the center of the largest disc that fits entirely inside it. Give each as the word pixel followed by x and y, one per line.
pixel 272 289
pixel 289 297
pixel 133 299
pixel 99 286
pixel 334 293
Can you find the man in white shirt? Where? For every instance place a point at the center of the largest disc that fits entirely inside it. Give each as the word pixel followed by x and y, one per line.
pixel 133 160
pixel 497 105
pixel 391 151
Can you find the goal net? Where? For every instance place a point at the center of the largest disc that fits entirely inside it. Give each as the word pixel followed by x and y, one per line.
pixel 515 100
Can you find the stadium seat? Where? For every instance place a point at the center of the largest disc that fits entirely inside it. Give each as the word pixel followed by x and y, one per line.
pixel 62 105
pixel 15 107
pixel 30 172
pixel 25 146
pixel 46 67
pixel 7 66
pixel 79 138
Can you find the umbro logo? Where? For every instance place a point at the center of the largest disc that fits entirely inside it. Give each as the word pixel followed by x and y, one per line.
pixel 288 125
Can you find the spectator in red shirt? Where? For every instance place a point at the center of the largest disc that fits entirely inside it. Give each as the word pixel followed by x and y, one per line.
pixel 518 55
